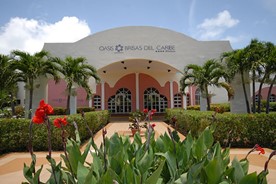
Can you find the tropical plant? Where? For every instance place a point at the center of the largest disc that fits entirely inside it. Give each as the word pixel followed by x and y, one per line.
pixel 211 73
pixel 269 60
pixel 31 67
pixel 254 55
pixel 237 62
pixel 76 71
pixel 8 82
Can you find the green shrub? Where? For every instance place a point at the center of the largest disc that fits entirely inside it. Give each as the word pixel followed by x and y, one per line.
pixel 15 132
pixel 237 130
pixel 224 107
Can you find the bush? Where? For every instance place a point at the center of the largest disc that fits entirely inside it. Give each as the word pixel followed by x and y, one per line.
pixel 237 130
pixel 224 107
pixel 15 132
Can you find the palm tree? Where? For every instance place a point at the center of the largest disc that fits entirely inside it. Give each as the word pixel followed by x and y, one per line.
pixel 76 71
pixel 210 74
pixel 268 66
pixel 254 56
pixel 236 62
pixel 272 61
pixel 30 67
pixel 8 81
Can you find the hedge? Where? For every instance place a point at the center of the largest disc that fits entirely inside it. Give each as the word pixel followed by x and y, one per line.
pixel 235 130
pixel 14 133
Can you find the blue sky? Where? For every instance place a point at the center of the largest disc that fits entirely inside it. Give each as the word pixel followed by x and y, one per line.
pixel 27 24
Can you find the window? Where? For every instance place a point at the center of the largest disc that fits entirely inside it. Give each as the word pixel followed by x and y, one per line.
pixel 272 98
pixel 121 102
pixel 177 100
pixel 97 102
pixel 153 100
pixel 188 99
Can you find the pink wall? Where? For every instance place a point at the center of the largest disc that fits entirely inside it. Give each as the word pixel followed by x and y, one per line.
pixel 57 96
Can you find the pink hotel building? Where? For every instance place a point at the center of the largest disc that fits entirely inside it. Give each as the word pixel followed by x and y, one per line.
pixel 139 67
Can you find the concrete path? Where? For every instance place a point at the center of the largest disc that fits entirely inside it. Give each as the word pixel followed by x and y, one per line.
pixel 11 165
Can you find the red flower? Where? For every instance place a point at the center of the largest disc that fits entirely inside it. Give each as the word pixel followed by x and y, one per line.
pixel 153 125
pixel 145 111
pixel 41 112
pixel 259 148
pixel 58 122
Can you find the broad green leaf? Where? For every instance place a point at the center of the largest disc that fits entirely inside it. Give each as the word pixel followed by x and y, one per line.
pixel 237 173
pixel 156 174
pixel 214 170
pixel 249 179
pixel 145 162
pixel 208 137
pixel 82 173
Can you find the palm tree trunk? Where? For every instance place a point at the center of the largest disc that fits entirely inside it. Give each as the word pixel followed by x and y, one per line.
pixel 68 102
pixel 31 98
pixel 208 99
pixel 259 93
pixel 253 89
pixel 12 104
pixel 245 94
pixel 269 94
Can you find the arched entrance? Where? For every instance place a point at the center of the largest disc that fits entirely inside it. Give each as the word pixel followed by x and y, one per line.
pixel 153 100
pixel 121 102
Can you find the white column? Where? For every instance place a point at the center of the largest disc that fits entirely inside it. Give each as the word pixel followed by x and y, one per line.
pixel 90 102
pixel 137 90
pixel 184 99
pixel 73 101
pixel 171 93
pixel 102 95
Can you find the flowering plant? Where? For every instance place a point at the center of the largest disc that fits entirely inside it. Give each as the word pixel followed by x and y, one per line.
pixel 138 116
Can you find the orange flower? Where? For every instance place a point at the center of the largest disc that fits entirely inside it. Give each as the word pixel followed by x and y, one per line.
pixel 259 148
pixel 58 122
pixel 41 112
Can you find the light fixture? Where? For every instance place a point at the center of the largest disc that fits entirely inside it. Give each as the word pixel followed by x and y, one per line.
pixel 148 67
pixel 169 70
pixel 122 62
pixel 125 68
pixel 104 71
pixel 150 61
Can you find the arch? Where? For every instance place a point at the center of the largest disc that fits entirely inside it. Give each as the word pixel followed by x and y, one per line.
pixel 121 102
pixel 153 100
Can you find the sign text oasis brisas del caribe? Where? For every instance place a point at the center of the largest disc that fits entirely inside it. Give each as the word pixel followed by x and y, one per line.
pixel 119 48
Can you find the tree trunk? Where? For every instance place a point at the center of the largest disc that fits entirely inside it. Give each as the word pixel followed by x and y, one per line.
pixel 269 94
pixel 260 92
pixel 68 102
pixel 208 99
pixel 253 89
pixel 31 98
pixel 245 94
pixel 12 104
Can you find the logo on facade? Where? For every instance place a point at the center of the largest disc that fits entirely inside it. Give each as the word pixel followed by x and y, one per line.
pixel 119 48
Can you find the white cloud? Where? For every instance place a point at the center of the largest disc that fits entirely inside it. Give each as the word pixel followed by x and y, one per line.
pixel 29 34
pixel 213 28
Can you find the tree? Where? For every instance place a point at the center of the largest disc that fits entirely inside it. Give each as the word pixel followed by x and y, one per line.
pixel 76 71
pixel 268 67
pixel 271 60
pixel 8 82
pixel 210 74
pixel 253 54
pixel 30 67
pixel 236 62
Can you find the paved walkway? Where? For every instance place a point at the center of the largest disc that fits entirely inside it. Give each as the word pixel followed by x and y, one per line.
pixel 11 165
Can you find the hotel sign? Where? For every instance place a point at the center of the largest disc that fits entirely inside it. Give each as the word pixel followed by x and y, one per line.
pixel 119 48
